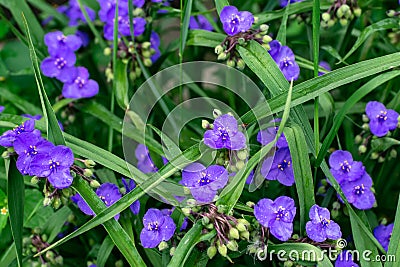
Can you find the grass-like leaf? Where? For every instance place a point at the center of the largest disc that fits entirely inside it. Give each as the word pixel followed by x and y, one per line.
pixel 104 251
pixel 394 246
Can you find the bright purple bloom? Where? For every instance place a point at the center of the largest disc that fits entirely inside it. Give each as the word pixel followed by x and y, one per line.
pixel 204 182
pixel 267 135
pixel 225 134
pixel 275 47
pixel 321 226
pixel 138 3
pixel 55 165
pixel 383 233
pixel 139 26
pixel 157 228
pixel 249 179
pixel 27 146
pixel 200 22
pixel 57 41
pixel 276 215
pixel 284 3
pixel 129 186
pixel 2 109
pixel 359 192
pixel 381 120
pixel 74 13
pixel 234 21
pixel 8 138
pixel 58 64
pixel 325 65
pixel 155 44
pixel 285 60
pixel 279 167
pixel 184 224
pixel 343 168
pixel 145 163
pixel 345 259
pixel 80 86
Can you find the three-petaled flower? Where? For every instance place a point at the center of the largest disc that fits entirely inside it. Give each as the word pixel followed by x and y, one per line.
pixel 285 59
pixel 381 119
pixel 344 168
pixel 279 167
pixel 234 21
pixel 157 228
pixel 321 226
pixel 80 86
pixel 383 233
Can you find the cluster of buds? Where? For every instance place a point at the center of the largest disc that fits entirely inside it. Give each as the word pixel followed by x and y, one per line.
pixel 226 51
pixel 128 53
pixel 35 244
pixel 342 11
pixel 394 35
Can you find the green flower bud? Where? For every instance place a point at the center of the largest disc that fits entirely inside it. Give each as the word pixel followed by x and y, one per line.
pixel 336 205
pixel 241 41
pixel 122 54
pixel 233 233
pixel 5 155
pixel 391 13
pixel 146 45
pixel 240 165
pixel 146 54
pixel 132 76
pixel 326 16
pixel 384 221
pixel 218 49
pixel 222 56
pixel 381 159
pixel 250 204
pixel 365 118
pixel 245 235
pixel 232 168
pixel 210 226
pixel 89 163
pixel 345 8
pixel 365 126
pixel 256 19
pixel 163 245
pixel 87 172
pixel 334 213
pixel 288 263
pixel 191 202
pixel 295 236
pixel 107 51
pixel 172 251
pixel 56 202
pixel 374 155
pixel 241 227
pixel 46 201
pixel 138 71
pixel 242 154
pixel 211 252
pixel 339 13
pixel 138 12
pixel 34 180
pixel 50 255
pixel 216 113
pixel 321 190
pixel 59 260
pixel 94 184
pixel 264 27
pixel 357 11
pixel 331 23
pixel 343 22
pixel 393 153
pixel 358 139
pixel 187 211
pixel 122 190
pixel 231 63
pixel 240 64
pixel 147 62
pixel 362 149
pixel 119 263
pixel 232 245
pixel 220 161
pixel 266 46
pixel 222 249
pixel 205 124
pixel 44 237
pixel 205 221
pixel 266 39
pixel 324 182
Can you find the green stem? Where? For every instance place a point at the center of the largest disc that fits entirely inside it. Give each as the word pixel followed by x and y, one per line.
pixel 315 33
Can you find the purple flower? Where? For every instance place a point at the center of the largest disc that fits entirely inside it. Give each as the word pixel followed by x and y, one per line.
pixel 284 3
pixel 74 13
pixel 276 215
pixel 382 120
pixel 234 21
pixel 359 192
pixel 275 47
pixel 107 192
pixel 279 167
pixel 28 146
pixel 200 22
pixel 84 37
pixel 321 226
pixel 145 163
pixel 2 109
pixel 55 165
pixel 155 44
pixel 325 65
pixel 285 60
pixel 138 3
pixel 80 86
pixel 157 228
pixel 8 138
pixel 129 186
pixel 343 168
pixel 58 64
pixel 267 135
pixel 249 179
pixel 345 259
pixel 184 224
pixel 204 182
pixel 139 26
pixel 383 234
pixel 225 134
pixel 57 41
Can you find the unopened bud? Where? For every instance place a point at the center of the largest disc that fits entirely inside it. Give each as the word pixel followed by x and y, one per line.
pixel 365 118
pixel 205 124
pixel 288 263
pixel 357 11
pixel 172 251
pixel 321 190
pixel 331 23
pixel 358 139
pixel 210 226
pixel 146 54
pixel 222 249
pixel 390 13
pixel 216 113
pixel 147 62
pixel 191 202
pixel 250 204
pixel 362 149
pixel 241 227
pixel 222 208
pixel 393 153
pixel 5 155
pixel 245 235
pixel 264 27
pixel 234 233
pixel 240 165
pixel 146 45
pixel 107 51
pixel 94 184
pixel 46 201
pixel 242 154
pixel 374 155
pixel 205 220
pixel 138 12
pixel 218 49
pixel 50 255
pixel 34 180
pixel 231 63
pixel 89 163
pixel 335 213
pixel 88 172
pixel 343 22
pixel 365 126
pixel 56 202
pixel 163 245
pixel 211 252
pixel 59 260
pixel 222 56
pixel 326 16
pixel 232 245
pixel 240 64
pixel 241 41
pixel 266 39
pixel 381 159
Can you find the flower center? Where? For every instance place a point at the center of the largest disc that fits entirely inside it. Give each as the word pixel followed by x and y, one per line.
pixel 19 129
pixel 53 165
pixel 345 166
pixel 205 180
pixel 284 164
pixel 62 38
pixel 153 226
pixel 325 222
pixel 31 150
pixel 223 133
pixel 235 20
pixel 286 61
pixel 359 190
pixel 60 63
pixel 382 116
pixel 280 213
pixel 80 82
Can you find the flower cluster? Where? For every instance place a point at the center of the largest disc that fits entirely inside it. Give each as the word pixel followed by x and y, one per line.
pixel 60 65
pixel 278 166
pixel 204 182
pixel 383 233
pixel 342 11
pixel 107 14
pixel 39 157
pixel 353 179
pixel 74 12
pixel 158 227
pixel 381 119
pixel 284 58
pixel 277 216
pixel 200 22
pixel 321 226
